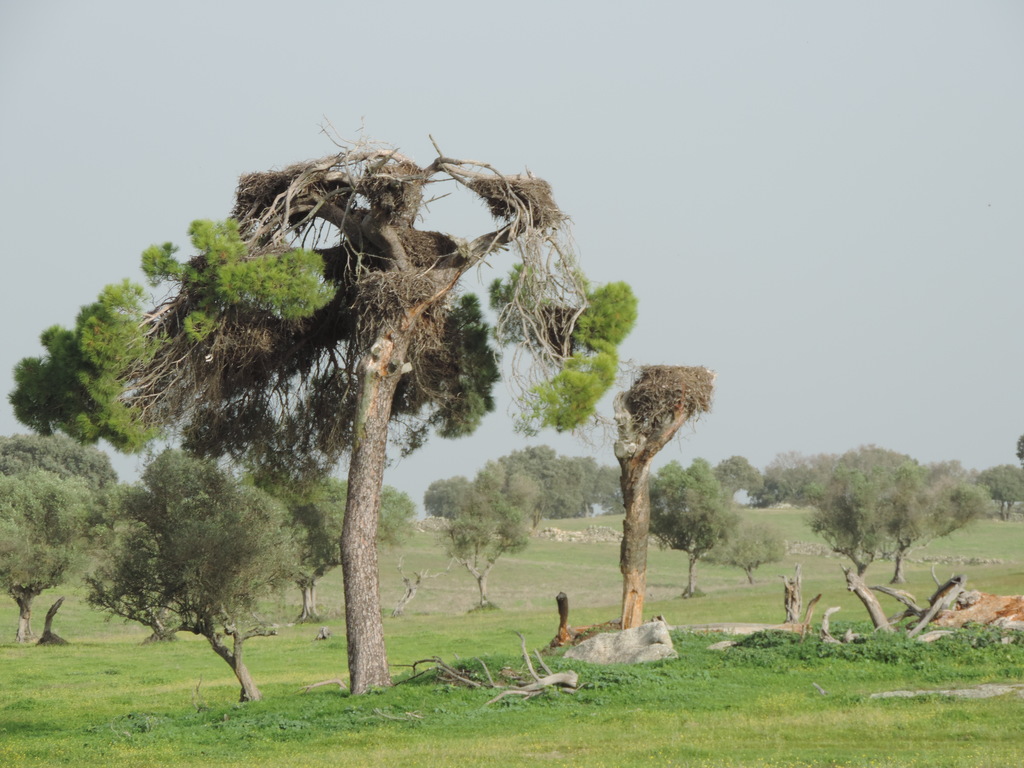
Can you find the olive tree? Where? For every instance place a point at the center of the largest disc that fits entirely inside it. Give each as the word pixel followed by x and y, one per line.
pixel 914 511
pixel 689 512
pixel 1005 484
pixel 201 548
pixel 316 514
pixel 737 473
pixel 318 316
pixel 492 519
pixel 750 547
pixel 42 526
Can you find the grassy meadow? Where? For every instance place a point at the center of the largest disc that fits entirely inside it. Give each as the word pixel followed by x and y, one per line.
pixel 106 700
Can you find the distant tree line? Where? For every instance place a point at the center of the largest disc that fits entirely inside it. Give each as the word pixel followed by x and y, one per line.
pixel 191 547
pixel 567 486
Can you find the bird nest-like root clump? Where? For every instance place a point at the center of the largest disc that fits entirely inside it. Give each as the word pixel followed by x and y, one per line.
pixel 259 192
pixel 519 198
pixel 395 189
pixel 661 390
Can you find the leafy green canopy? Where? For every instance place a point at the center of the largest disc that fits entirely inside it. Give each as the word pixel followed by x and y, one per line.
pixel 42 524
pixel 290 286
pixel 76 386
pixel 58 454
pixel 689 511
pixel 197 543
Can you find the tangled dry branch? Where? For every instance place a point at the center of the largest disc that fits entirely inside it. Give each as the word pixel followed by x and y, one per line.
pixel 257 378
pixel 567 682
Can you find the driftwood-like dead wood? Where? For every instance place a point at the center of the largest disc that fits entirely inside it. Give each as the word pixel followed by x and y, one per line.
pixel 856 584
pixel 793 597
pixel 945 596
pixel 49 636
pixel 735 628
pixel 825 633
pixel 336 681
pixel 912 608
pixel 1005 611
pixel 558 681
pixel 412 585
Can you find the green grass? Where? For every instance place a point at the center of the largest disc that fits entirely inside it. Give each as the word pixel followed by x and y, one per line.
pixel 105 700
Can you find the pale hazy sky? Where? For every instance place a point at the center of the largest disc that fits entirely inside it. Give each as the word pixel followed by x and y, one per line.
pixel 822 201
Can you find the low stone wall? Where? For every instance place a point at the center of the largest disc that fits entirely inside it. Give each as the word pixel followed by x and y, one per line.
pixel 594 534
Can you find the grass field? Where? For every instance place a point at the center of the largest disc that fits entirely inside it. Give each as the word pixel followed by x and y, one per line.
pixel 105 700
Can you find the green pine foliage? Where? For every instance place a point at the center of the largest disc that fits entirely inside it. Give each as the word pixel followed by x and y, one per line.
pixel 76 386
pixel 289 286
pixel 570 397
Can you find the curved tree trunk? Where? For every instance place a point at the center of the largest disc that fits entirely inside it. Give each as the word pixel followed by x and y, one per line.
pixel 49 636
pixel 234 659
pixel 364 625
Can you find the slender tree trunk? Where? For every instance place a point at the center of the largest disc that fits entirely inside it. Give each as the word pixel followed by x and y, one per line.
pixel 234 659
pixel 635 531
pixel 364 625
pixel 691 585
pixel 750 575
pixel 24 599
pixel 793 596
pixel 481 583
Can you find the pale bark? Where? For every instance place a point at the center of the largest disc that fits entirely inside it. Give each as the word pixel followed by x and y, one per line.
pixel 793 598
pixel 856 585
pixel 233 657
pixel 308 601
pixel 24 598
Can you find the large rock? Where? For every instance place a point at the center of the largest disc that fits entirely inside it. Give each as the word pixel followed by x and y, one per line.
pixel 648 642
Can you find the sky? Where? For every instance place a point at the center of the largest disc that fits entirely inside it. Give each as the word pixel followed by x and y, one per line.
pixel 820 201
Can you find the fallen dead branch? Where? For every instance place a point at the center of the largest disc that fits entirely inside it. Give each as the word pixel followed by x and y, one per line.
pixel 567 682
pixel 336 681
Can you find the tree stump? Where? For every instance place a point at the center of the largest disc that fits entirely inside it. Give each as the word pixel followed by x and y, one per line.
pixel 49 636
pixel 793 598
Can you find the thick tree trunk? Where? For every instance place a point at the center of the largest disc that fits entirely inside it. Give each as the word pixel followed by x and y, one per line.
pixel 635 531
pixel 899 576
pixel 161 632
pixel 308 602
pixel 24 599
pixel 856 585
pixel 364 625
